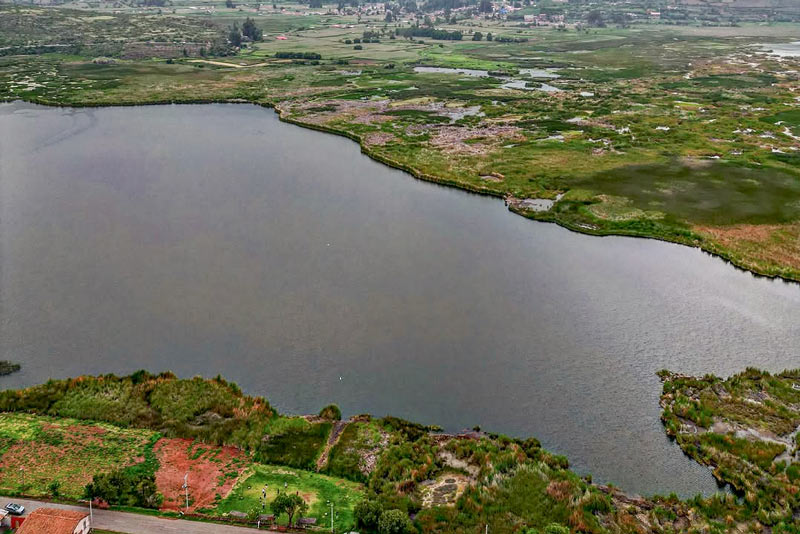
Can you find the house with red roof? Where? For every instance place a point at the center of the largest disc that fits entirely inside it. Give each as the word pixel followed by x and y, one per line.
pixel 55 521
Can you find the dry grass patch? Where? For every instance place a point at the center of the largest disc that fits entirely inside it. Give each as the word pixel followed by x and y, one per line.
pixel 765 245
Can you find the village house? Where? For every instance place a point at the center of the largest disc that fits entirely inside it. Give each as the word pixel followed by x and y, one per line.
pixel 54 521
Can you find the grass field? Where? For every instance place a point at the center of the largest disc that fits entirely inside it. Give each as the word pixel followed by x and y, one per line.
pixel 45 450
pixel 318 490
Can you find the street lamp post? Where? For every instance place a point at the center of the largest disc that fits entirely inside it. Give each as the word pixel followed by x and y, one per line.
pixel 331 503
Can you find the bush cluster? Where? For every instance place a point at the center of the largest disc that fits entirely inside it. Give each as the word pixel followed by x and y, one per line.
pixel 297 55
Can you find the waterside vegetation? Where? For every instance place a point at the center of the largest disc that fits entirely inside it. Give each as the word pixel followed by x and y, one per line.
pixel 140 433
pixel 687 133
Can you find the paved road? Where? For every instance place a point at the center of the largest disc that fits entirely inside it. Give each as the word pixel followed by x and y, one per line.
pixel 129 523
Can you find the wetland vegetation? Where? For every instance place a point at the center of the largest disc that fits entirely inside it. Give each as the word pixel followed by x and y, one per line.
pixel 679 125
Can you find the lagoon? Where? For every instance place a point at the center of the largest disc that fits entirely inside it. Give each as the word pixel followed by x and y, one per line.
pixel 212 239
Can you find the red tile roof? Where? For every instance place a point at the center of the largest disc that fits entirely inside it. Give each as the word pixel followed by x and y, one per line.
pixel 51 521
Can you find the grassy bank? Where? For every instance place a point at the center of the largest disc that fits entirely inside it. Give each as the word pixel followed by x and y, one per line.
pixel 676 133
pixel 743 427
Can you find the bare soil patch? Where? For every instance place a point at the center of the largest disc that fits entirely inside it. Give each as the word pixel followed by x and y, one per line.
pixel 212 470
pixel 444 490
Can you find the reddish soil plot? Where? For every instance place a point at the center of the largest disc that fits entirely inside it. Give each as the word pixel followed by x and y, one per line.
pixel 212 470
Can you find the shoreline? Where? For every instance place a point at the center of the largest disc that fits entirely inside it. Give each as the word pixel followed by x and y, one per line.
pixel 543 217
pixel 445 458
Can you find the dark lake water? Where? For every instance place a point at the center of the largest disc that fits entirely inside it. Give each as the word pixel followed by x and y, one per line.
pixel 215 239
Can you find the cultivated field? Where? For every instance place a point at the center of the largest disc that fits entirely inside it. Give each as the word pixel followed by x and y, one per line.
pixel 49 456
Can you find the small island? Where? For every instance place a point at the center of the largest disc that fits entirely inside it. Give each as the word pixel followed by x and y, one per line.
pixel 7 367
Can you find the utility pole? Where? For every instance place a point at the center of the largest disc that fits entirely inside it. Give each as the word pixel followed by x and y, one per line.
pixel 91 515
pixel 186 487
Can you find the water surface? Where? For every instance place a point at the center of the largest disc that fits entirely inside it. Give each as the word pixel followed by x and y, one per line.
pixel 782 49
pixel 215 239
pixel 510 84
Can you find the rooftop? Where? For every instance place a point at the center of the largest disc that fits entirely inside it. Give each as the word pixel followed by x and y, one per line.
pixel 51 521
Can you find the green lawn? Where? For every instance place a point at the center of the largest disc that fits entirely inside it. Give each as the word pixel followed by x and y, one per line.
pixel 317 489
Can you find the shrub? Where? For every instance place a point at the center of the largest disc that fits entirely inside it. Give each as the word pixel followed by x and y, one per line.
pixel 394 522
pixel 297 55
pixel 211 410
pixel 296 447
pixel 358 47
pixel 125 488
pixel 367 513
pixel 555 528
pixel 597 503
pixel 331 412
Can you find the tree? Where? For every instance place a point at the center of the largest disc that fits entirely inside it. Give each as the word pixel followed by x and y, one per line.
pixel 477 36
pixel 485 6
pixel 367 513
pixel 389 17
pixel 235 35
pixel 54 487
pixel 620 18
pixel 595 18
pixel 289 504
pixel 252 31
pixel 229 4
pixel 315 4
pixel 394 522
pixel 489 36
